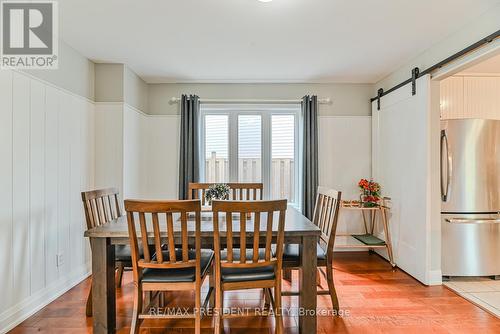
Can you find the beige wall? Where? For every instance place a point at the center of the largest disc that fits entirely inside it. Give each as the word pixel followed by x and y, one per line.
pixel 485 25
pixel 118 83
pixel 135 90
pixel 75 72
pixel 109 82
pixel 347 99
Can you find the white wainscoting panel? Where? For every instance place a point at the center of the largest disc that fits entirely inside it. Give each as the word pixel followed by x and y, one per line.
pixel 51 182
pixel 482 97
pixel 47 147
pixel 345 158
pixel 135 150
pixel 109 145
pixel 452 97
pixel 21 185
pixel 470 96
pixel 37 182
pixel 6 241
pixel 163 157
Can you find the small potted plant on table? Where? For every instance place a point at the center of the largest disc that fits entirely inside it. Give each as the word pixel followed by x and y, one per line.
pixel 370 193
pixel 216 191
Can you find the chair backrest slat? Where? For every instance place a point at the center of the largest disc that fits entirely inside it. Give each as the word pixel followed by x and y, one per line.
pixel 171 240
pixel 184 233
pixel 256 239
pixel 110 206
pixel 152 215
pixel 100 216
pixel 269 236
pixel 101 206
pixel 157 240
pixel 250 227
pixel 117 206
pixel 238 191
pixel 229 234
pixel 144 239
pixel 243 237
pixel 325 216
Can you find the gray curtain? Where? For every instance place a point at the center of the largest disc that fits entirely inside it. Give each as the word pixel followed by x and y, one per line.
pixel 309 154
pixel 189 162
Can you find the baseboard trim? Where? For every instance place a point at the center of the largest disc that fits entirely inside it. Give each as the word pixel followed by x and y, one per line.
pixel 29 306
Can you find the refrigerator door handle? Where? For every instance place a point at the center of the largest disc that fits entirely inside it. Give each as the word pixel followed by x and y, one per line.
pixel 445 186
pixel 473 221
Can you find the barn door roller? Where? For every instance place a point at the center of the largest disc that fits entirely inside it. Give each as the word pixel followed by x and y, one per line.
pixel 380 92
pixel 414 77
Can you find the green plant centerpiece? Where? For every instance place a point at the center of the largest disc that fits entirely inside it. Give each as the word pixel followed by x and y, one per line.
pixel 217 191
pixel 370 193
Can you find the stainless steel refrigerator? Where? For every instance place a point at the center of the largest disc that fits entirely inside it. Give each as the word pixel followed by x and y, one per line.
pixel 470 194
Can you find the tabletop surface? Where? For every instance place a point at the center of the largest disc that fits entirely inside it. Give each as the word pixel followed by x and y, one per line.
pixel 296 224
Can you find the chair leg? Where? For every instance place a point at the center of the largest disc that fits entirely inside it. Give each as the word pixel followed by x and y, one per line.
pixel 287 274
pixel 218 328
pixel 119 275
pixel 277 308
pixel 197 311
pixel 318 278
pixel 331 287
pixel 161 299
pixel 211 285
pixel 136 322
pixel 88 306
pixel 267 298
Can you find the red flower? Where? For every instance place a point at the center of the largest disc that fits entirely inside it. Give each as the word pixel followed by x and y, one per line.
pixel 370 188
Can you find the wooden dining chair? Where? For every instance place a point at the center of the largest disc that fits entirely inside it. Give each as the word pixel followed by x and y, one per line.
pixel 325 216
pixel 102 206
pixel 238 191
pixel 244 264
pixel 171 269
pixel 246 191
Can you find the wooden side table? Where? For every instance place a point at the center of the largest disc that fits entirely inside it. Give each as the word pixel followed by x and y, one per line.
pixel 368 240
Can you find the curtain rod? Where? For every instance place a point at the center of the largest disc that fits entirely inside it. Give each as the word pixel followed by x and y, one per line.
pixel 418 74
pixel 253 101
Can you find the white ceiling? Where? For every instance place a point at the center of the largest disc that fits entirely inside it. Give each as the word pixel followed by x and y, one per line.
pixel 251 41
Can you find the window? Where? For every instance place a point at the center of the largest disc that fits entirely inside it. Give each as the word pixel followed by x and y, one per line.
pixel 249 148
pixel 252 144
pixel 216 148
pixel 283 156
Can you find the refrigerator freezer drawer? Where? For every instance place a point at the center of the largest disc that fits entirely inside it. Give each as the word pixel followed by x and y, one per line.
pixel 470 245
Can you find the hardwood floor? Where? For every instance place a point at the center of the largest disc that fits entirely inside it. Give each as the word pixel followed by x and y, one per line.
pixel 375 299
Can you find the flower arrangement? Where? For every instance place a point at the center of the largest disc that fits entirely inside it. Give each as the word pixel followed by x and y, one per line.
pixel 217 191
pixel 370 192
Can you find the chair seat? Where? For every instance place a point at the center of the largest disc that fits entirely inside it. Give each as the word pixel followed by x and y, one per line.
pixel 178 275
pixel 123 253
pixel 246 274
pixel 291 253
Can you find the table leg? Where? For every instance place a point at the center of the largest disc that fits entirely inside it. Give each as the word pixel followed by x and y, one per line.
pixel 373 217
pixel 307 284
pixel 103 285
pixel 364 221
pixel 388 241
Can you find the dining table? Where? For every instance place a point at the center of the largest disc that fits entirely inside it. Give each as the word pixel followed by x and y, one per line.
pixel 298 230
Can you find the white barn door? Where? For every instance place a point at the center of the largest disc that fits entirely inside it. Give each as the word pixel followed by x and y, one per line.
pixel 403 164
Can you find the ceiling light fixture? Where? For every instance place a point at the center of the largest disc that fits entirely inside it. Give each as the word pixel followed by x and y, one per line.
pixel 265 0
